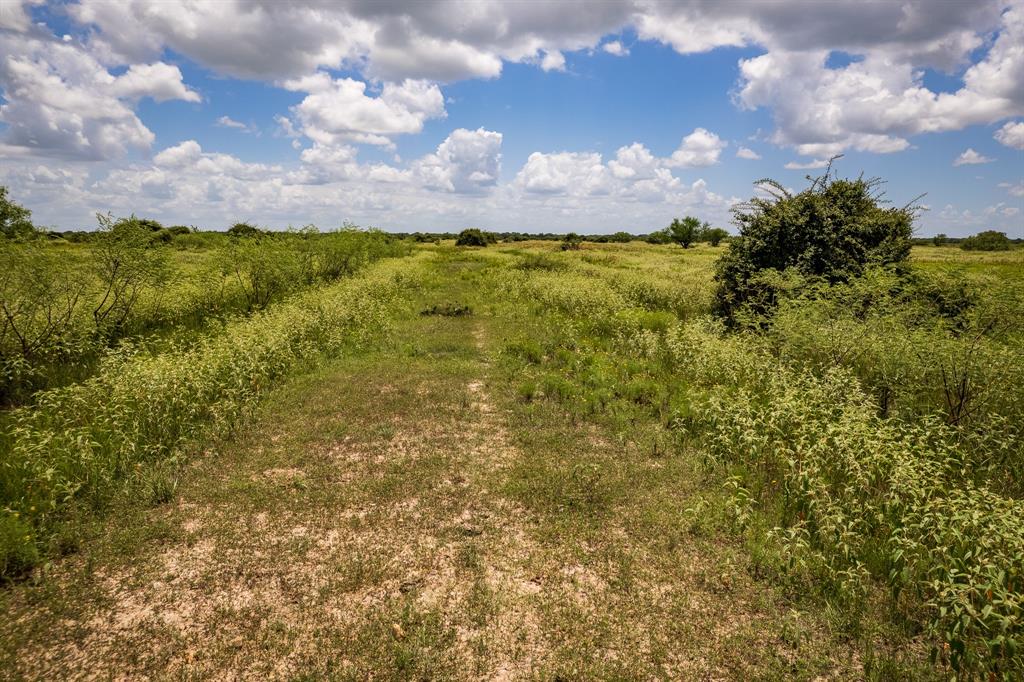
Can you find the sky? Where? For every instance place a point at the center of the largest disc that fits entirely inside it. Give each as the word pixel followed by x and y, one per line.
pixel 528 116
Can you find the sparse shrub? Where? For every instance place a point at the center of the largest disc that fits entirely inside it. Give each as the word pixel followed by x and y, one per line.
pixel 989 240
pixel 832 230
pixel 263 270
pixel 126 265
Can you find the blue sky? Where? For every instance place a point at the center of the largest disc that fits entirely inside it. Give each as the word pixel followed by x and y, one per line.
pixel 508 116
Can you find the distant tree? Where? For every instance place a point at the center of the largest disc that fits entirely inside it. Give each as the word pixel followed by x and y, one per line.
pixel 940 239
pixel 15 220
pixel 471 237
pixel 659 237
pixel 686 231
pixel 244 229
pixel 571 242
pixel 831 230
pixel 621 237
pixel 714 235
pixel 989 240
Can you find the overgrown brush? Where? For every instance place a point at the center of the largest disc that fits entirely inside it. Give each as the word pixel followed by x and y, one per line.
pixel 79 446
pixel 867 499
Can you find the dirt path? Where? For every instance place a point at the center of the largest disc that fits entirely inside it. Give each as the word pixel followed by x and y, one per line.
pixel 389 518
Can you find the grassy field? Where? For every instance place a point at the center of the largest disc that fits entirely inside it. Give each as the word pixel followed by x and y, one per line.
pixel 518 462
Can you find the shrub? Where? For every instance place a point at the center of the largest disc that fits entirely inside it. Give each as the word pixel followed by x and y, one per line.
pixel 714 236
pixel 471 237
pixel 15 220
pixel 989 240
pixel 620 238
pixel 126 265
pixel 572 242
pixel 831 230
pixel 263 269
pixel 244 229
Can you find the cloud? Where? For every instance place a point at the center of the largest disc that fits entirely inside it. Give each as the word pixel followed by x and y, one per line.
pixel 872 104
pixel 970 157
pixel 180 155
pixel 159 81
pixel 337 110
pixel 15 16
pixel 875 103
pixel 61 102
pixel 699 148
pixel 616 48
pixel 806 165
pixel 576 173
pixel 228 122
pixel 468 162
pixel 1011 135
pixel 746 153
pixel 1015 189
pixel 553 61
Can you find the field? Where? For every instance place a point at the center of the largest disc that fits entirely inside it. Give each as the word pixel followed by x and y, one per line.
pixel 521 462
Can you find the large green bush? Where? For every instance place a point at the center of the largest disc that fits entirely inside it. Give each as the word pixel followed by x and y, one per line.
pixel 471 237
pixel 832 230
pixel 989 240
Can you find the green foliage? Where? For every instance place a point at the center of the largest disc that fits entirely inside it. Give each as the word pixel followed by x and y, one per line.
pixel 15 220
pixel 472 237
pixel 244 230
pixel 620 238
pixel 714 235
pixel 989 240
pixel 126 265
pixel 686 231
pixel 940 239
pixel 18 551
pixel 78 446
pixel 832 230
pixel 572 242
pixel 659 237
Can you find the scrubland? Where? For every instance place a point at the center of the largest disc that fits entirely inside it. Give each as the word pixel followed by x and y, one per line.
pixel 518 461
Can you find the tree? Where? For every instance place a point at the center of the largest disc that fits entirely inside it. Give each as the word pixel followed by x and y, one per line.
pixel 686 231
pixel 832 230
pixel 15 222
pixel 571 242
pixel 989 240
pixel 940 239
pixel 621 237
pixel 471 237
pixel 714 235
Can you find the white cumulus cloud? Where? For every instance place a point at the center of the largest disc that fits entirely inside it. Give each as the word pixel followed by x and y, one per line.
pixel 1011 135
pixel 969 157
